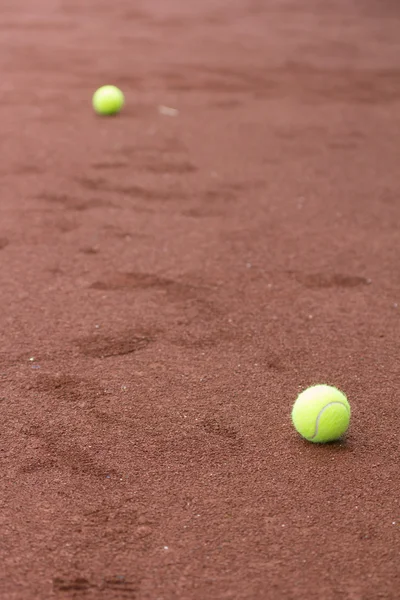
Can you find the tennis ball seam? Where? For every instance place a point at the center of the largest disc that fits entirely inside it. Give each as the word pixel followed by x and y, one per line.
pixel 320 414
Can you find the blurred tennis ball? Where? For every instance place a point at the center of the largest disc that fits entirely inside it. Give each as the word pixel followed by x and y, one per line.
pixel 108 100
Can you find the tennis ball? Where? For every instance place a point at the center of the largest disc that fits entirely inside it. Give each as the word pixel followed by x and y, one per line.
pixel 108 100
pixel 321 414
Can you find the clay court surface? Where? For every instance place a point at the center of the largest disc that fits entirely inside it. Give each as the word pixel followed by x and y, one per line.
pixel 170 281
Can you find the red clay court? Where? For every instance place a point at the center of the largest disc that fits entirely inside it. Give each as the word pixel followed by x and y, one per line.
pixel 173 277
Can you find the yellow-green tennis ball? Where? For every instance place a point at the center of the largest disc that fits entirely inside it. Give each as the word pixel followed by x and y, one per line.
pixel 321 414
pixel 108 100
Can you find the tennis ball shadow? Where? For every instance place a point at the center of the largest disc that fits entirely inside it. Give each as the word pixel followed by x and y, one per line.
pixel 108 116
pixel 343 444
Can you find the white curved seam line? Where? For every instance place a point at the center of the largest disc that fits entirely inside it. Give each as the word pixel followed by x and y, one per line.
pixel 320 413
